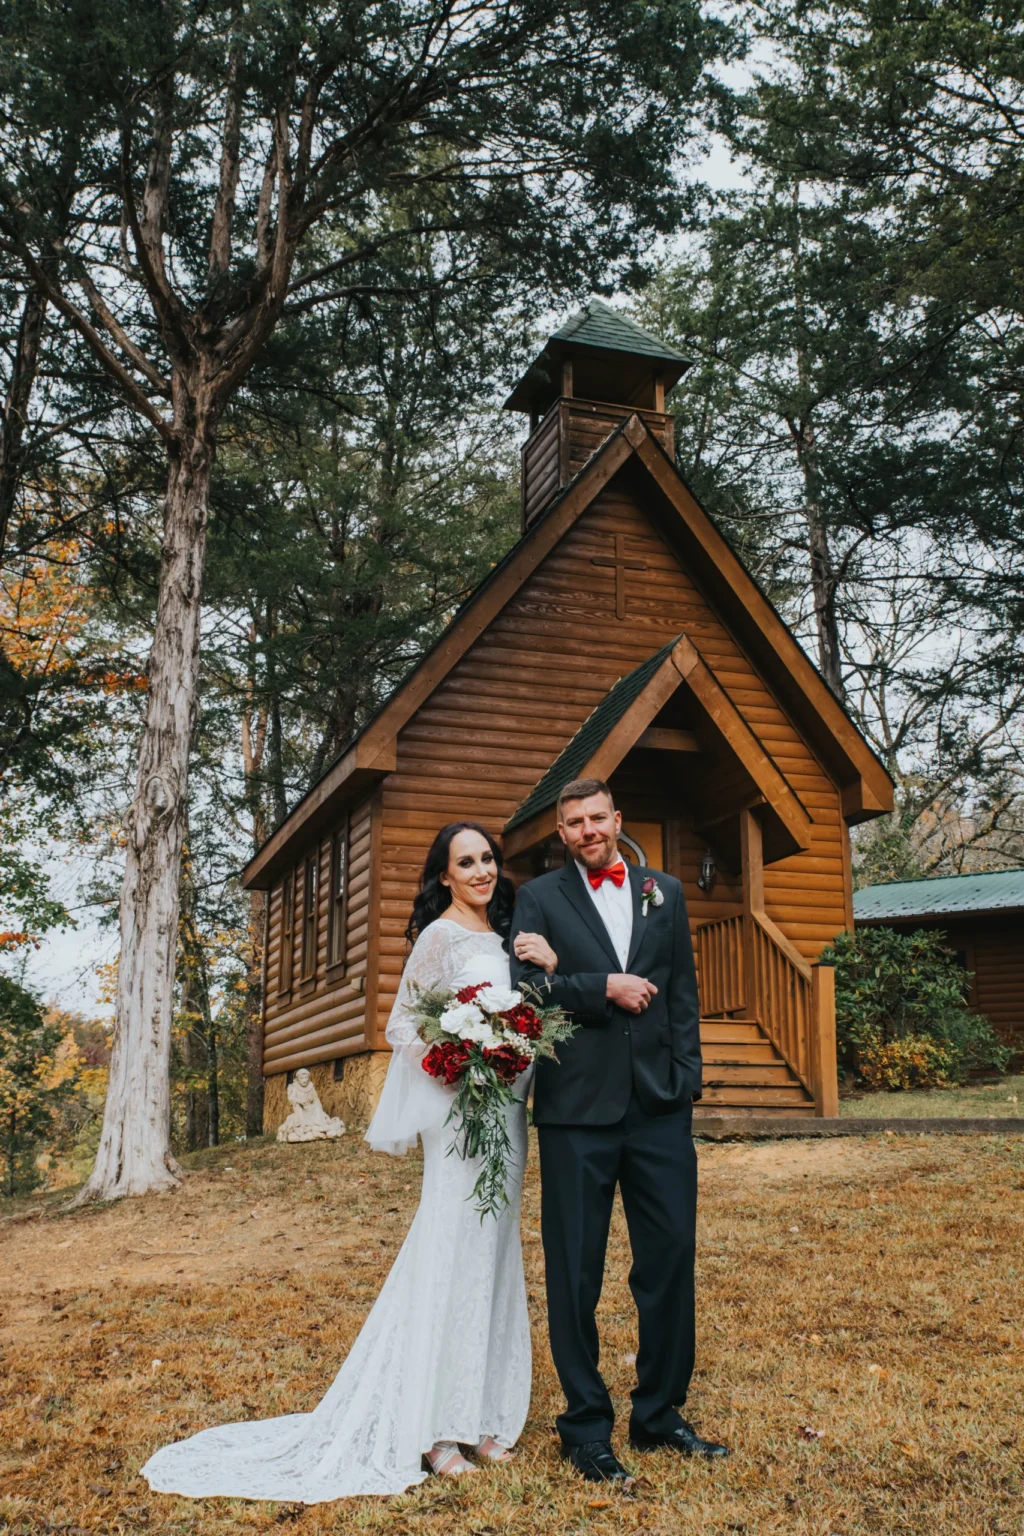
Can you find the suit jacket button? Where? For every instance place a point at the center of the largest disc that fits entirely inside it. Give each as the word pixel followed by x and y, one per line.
pixel 625 1031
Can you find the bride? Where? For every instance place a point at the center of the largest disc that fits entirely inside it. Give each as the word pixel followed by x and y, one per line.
pixel 443 1359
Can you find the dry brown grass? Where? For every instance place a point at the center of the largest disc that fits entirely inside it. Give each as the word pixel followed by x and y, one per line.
pixel 870 1291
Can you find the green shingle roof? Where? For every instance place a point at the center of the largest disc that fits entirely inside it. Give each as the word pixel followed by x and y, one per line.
pixel 1000 890
pixel 572 760
pixel 601 326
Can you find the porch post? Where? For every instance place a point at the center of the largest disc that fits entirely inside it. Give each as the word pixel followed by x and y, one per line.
pixel 752 865
pixel 825 1080
pixel 752 855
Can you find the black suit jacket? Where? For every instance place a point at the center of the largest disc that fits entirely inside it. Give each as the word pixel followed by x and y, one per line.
pixel 657 1052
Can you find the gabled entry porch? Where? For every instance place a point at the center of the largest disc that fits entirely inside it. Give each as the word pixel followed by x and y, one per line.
pixel 768 1020
pixel 697 789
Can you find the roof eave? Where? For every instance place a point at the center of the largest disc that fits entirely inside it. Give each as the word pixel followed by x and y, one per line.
pixel 669 369
pixel 887 919
pixel 361 767
pixel 867 788
pixel 683 666
pixel 374 745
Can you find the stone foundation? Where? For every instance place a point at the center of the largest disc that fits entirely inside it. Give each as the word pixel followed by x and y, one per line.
pixel 354 1098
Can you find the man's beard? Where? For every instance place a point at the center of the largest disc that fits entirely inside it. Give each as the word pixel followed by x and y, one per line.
pixel 598 855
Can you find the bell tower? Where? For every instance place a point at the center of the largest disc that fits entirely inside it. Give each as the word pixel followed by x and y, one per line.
pixel 594 373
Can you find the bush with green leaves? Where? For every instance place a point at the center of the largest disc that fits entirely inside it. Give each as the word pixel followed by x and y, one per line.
pixel 902 1020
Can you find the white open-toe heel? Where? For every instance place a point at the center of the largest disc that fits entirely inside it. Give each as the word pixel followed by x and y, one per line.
pixel 489 1449
pixel 446 1460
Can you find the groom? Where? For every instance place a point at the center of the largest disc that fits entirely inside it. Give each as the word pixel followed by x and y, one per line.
pixel 616 1109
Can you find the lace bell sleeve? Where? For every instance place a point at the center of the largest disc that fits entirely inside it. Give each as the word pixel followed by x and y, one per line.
pixel 411 1100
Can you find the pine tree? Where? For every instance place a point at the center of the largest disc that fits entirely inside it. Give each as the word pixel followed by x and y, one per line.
pixel 240 163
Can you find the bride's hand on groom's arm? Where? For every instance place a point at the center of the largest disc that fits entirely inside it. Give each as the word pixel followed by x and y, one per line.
pixel 534 949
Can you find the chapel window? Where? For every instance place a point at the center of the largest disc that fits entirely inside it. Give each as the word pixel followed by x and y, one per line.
pixel 284 980
pixel 337 911
pixel 309 915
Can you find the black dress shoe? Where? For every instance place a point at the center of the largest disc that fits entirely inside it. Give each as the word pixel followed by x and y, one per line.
pixel 597 1462
pixel 685 1440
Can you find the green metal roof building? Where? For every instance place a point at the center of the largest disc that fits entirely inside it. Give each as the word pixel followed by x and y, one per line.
pixel 981 917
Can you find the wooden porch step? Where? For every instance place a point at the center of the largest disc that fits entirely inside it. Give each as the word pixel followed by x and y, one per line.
pixel 745 1074
pixel 757 1075
pixel 743 1052
pixel 786 1097
pixel 713 1031
pixel 723 1111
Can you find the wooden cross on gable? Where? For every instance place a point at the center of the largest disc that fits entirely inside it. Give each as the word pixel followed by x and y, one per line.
pixel 622 565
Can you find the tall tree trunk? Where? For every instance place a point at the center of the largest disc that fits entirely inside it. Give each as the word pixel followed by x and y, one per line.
pixel 191 1097
pixel 822 570
pixel 191 1060
pixel 275 742
pixel 254 744
pixel 823 587
pixel 823 577
pixel 12 1133
pixel 134 1154
pixel 258 907
pixel 212 1083
pixel 15 417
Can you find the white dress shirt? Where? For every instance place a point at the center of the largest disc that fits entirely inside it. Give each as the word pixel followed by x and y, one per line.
pixel 615 906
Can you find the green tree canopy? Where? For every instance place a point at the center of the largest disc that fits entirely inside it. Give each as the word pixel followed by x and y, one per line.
pixel 36 1073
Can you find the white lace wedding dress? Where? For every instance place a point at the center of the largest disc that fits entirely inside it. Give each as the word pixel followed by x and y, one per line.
pixel 445 1351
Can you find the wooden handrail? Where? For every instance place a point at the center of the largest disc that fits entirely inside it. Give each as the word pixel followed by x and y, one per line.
pixel 748 968
pixel 720 980
pixel 787 946
pixel 781 997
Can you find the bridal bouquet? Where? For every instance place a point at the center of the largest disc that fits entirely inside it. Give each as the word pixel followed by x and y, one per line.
pixel 480 1039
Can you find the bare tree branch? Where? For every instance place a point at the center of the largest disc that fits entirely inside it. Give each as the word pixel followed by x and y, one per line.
pixel 230 167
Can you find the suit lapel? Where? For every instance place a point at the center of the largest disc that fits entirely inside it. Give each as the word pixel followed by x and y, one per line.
pixel 636 880
pixel 572 884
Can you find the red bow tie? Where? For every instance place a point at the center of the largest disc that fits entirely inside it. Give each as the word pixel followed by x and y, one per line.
pixel 617 875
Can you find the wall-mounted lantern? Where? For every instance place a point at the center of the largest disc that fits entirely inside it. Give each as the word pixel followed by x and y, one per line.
pixel 706 878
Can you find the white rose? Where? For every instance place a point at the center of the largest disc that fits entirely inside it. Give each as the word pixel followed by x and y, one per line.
pixel 462 1019
pixel 483 1035
pixel 466 1021
pixel 498 999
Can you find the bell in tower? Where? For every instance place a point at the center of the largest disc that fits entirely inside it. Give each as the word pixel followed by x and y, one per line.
pixel 594 373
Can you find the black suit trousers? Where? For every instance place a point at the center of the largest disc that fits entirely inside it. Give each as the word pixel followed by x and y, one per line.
pixel 653 1161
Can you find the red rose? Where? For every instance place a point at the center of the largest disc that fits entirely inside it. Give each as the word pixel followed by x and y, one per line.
pixel 648 887
pixel 507 1062
pixel 467 994
pixel 446 1060
pixel 524 1020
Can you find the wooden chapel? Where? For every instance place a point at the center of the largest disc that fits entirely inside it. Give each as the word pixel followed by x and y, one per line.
pixel 622 638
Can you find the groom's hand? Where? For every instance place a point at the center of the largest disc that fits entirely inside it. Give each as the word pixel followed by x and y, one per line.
pixel 630 992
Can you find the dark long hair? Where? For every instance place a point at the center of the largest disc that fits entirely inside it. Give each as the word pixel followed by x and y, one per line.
pixel 434 899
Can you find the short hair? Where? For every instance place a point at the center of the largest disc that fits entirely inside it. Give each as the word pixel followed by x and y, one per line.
pixel 582 789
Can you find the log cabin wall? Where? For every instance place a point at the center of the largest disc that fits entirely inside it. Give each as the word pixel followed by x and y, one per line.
pixel 509 706
pixel 991 947
pixel 320 1018
pixel 994 951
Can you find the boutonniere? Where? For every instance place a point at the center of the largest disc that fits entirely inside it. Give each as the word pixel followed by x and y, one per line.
pixel 650 895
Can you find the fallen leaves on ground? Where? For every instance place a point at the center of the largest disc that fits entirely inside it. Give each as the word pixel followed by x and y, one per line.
pixel 861 1390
